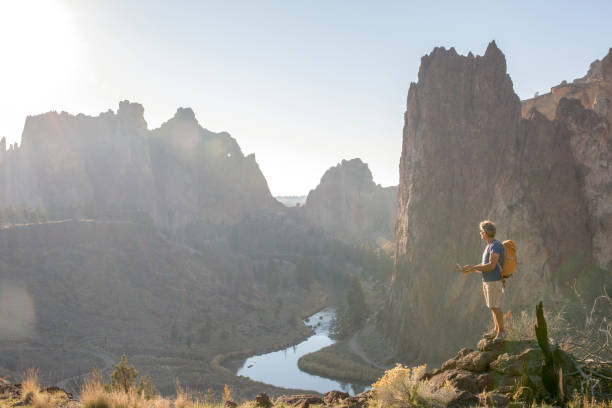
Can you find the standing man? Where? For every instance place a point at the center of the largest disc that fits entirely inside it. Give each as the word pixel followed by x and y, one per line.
pixel 492 283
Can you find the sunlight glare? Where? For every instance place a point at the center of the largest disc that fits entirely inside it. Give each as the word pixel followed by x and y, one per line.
pixel 39 50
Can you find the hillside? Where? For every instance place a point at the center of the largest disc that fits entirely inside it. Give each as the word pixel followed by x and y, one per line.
pixel 83 290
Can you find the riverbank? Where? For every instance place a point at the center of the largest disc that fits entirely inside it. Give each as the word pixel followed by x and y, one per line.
pixel 339 363
pixel 232 361
pixel 280 368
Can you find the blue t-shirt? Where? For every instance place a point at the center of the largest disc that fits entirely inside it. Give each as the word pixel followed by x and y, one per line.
pixel 495 274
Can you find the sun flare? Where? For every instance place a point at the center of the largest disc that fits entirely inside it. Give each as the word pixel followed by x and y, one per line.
pixel 39 47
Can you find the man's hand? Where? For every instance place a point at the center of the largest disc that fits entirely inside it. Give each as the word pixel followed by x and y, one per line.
pixel 464 269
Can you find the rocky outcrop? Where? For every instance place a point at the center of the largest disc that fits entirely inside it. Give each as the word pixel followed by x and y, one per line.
pixel 468 154
pixel 500 372
pixel 349 205
pixel 112 167
pixel 593 91
pixel 331 399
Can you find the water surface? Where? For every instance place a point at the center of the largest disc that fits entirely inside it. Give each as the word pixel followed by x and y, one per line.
pixel 280 368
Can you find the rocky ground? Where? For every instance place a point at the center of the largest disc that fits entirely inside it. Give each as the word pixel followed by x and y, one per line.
pixel 495 374
pixel 506 373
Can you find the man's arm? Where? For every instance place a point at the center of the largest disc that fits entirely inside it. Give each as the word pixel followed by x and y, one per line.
pixel 493 258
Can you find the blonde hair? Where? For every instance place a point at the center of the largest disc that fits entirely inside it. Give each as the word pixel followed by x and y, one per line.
pixel 488 227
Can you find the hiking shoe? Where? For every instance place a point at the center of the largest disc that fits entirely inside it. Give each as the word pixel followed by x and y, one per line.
pixel 490 335
pixel 500 336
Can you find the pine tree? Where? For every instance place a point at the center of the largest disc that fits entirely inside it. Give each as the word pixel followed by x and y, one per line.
pixel 357 308
pixel 210 397
pixel 146 388
pixel 351 316
pixel 124 375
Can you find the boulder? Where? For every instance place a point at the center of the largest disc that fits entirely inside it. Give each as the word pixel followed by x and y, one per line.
pixel 463 399
pixel 530 360
pixel 299 400
pixel 452 363
pixel 334 397
pixel 262 400
pixel 505 346
pixel 494 381
pixel 476 361
pixel 460 379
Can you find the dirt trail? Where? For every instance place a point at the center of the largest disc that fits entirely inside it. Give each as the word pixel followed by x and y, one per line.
pixel 71 384
pixel 354 347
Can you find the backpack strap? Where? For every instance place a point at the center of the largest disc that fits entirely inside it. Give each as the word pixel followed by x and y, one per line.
pixel 501 270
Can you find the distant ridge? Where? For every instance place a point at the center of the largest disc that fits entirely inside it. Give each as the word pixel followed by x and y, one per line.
pixel 349 205
pixel 113 167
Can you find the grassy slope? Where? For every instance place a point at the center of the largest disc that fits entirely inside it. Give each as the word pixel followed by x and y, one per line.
pixel 337 361
pixel 124 288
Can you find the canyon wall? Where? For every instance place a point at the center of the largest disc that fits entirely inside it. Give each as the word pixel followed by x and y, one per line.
pixel 349 205
pixel 112 167
pixel 469 154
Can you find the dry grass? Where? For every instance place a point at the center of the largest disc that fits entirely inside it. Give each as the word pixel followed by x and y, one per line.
pixel 583 401
pixel 44 400
pixel 30 387
pixel 520 326
pixel 94 395
pixel 405 387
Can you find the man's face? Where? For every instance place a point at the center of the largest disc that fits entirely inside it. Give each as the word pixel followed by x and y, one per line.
pixel 483 235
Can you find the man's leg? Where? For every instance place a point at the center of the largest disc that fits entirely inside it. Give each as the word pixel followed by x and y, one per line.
pixel 495 325
pixel 498 317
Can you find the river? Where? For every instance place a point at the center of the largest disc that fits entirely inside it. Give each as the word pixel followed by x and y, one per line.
pixel 280 368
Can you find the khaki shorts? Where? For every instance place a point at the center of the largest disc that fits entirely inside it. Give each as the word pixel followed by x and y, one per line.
pixel 493 293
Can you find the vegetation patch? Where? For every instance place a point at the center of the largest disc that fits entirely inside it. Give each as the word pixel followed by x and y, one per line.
pixel 337 362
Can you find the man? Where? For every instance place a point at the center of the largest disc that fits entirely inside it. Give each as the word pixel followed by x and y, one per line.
pixel 492 283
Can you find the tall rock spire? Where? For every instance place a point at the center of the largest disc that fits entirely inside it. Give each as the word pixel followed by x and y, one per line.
pixel 468 155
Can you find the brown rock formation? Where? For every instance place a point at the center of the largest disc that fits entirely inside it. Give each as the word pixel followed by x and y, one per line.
pixel 586 112
pixel 203 176
pixel 111 166
pixel 492 374
pixel 348 204
pixel 468 154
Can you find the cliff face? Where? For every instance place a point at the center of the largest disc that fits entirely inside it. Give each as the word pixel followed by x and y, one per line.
pixel 348 204
pixel 586 112
pixel 112 166
pixel 468 154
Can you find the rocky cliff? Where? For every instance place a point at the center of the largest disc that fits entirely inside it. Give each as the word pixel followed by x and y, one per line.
pixel 584 107
pixel 349 205
pixel 469 154
pixel 112 166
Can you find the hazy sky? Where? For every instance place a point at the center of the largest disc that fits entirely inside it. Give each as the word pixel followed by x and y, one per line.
pixel 302 84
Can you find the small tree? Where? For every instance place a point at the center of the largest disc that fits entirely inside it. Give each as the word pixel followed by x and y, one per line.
pixel 210 397
pixel 124 375
pixel 305 273
pixel 146 388
pixel 353 313
pixel 227 393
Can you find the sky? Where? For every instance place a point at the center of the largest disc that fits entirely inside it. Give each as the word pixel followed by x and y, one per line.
pixel 302 84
